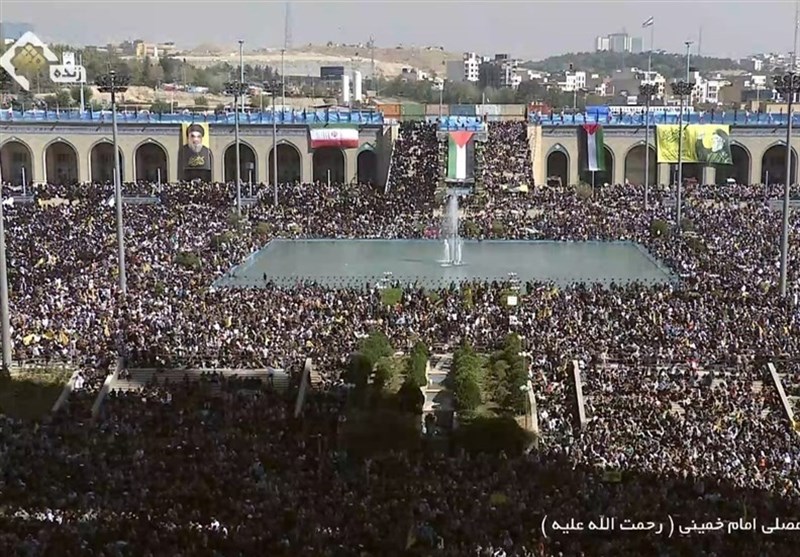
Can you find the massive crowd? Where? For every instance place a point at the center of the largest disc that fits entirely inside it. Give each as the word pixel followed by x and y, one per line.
pixel 185 471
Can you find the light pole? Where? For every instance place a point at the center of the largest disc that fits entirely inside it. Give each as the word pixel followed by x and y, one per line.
pixel 283 79
pixel 113 83
pixel 788 86
pixel 273 87
pixel 682 89
pixel 236 88
pixel 5 316
pixel 647 90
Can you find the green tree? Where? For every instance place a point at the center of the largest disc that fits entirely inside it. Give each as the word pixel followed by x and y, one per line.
pixel 359 368
pixel 417 364
pixel 375 347
pixel 75 92
pixel 384 373
pixel 493 435
pixel 410 398
pixel 201 101
pixel 161 107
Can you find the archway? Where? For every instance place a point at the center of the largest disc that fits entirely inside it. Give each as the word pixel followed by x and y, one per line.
pixel 16 162
pixel 602 176
pixel 634 165
pixel 328 162
pixel 61 163
pixel 101 159
pixel 367 163
pixel 151 163
pixel 289 164
pixel 247 161
pixel 558 166
pixel 739 170
pixel 773 165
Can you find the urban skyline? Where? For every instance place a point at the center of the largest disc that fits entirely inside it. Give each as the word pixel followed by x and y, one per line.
pixel 521 28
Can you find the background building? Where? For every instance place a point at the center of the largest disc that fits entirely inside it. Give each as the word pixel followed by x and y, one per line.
pixel 618 42
pixel 10 31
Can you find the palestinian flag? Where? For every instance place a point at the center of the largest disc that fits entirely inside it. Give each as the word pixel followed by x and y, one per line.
pixel 592 139
pixel 343 138
pixel 460 156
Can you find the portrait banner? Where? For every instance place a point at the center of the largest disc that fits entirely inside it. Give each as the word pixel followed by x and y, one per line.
pixel 712 143
pixel 708 144
pixel 195 151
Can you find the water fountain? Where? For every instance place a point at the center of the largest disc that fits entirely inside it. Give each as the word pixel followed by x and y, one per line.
pixel 452 241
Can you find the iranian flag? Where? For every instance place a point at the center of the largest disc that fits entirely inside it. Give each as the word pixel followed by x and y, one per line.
pixel 460 156
pixel 343 138
pixel 595 150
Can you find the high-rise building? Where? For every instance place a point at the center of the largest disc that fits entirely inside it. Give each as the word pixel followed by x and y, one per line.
pixel 618 42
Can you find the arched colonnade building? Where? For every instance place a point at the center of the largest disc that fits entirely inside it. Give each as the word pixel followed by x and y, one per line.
pixel 66 152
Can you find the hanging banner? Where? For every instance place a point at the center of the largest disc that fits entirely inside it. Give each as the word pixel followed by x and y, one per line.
pixel 702 143
pixel 343 138
pixel 195 153
pixel 591 139
pixel 460 156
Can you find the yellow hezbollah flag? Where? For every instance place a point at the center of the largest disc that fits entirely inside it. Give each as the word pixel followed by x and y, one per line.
pixel 703 143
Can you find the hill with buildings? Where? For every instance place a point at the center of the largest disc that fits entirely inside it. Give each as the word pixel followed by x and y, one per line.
pixel 307 59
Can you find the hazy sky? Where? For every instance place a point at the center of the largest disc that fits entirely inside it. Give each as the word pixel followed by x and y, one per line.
pixel 525 29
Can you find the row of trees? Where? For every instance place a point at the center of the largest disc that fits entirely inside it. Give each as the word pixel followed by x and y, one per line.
pixel 669 65
pixel 496 382
pixel 372 371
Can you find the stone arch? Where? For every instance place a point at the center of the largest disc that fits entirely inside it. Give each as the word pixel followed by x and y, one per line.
pixel 691 171
pixel 290 163
pixel 150 157
pixel 367 165
pixel 773 164
pixel 247 157
pixel 328 159
pixel 16 162
pixel 634 164
pixel 61 162
pixel 557 163
pixel 740 169
pixel 600 177
pixel 101 162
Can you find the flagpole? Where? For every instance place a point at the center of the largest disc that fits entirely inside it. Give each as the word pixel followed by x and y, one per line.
pixel 650 54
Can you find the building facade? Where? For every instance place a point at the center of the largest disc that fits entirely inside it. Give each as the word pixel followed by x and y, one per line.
pixel 68 152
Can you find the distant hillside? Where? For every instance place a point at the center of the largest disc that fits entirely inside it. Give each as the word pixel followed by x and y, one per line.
pixel 669 65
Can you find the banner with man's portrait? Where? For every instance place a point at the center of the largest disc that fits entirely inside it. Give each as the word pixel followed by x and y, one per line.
pixel 702 143
pixel 195 151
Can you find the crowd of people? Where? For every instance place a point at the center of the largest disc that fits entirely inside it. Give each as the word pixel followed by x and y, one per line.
pixel 186 471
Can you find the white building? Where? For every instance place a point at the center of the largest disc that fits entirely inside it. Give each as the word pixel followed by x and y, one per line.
pixel 573 81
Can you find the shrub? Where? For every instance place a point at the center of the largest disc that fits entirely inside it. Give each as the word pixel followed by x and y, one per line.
pixel 584 192
pixel 498 228
pixel 218 241
pixel 391 296
pixel 188 260
pixel 659 228
pixel 471 229
pixel 263 230
pixel 687 225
